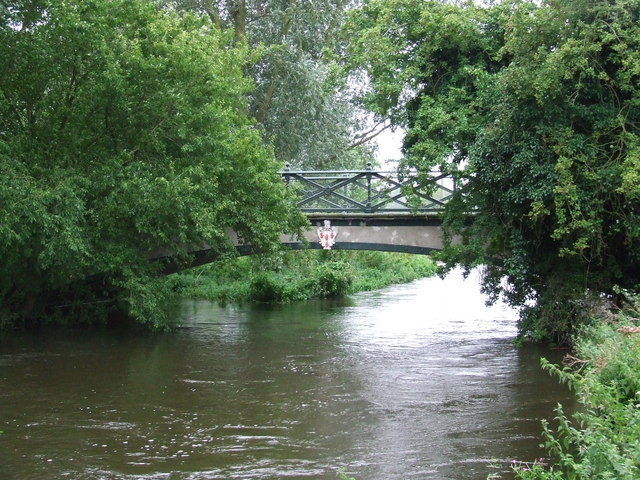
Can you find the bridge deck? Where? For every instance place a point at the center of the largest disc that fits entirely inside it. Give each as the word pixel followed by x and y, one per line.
pixel 376 220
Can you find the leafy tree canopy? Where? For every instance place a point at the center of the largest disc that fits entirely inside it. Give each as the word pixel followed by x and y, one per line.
pixel 301 100
pixel 533 106
pixel 123 131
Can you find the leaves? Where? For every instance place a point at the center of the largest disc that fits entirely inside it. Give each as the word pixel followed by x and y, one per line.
pixel 301 99
pixel 601 440
pixel 123 133
pixel 534 109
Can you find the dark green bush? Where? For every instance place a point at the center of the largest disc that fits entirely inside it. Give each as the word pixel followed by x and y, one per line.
pixel 267 287
pixel 332 279
pixel 604 440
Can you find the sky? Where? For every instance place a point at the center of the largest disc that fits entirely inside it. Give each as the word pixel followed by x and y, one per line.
pixel 389 145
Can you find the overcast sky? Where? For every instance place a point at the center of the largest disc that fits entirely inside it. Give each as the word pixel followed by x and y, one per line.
pixel 389 145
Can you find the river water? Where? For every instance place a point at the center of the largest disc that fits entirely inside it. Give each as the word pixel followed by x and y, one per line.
pixel 417 381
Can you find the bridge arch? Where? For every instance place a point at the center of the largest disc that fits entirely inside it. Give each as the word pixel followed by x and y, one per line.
pixel 418 235
pixel 366 246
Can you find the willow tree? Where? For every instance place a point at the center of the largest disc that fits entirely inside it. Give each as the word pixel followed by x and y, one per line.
pixel 123 131
pixel 301 99
pixel 533 106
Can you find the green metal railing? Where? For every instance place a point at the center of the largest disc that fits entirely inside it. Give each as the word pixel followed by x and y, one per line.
pixel 369 191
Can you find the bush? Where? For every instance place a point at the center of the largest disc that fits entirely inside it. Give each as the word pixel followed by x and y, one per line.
pixel 332 279
pixel 605 374
pixel 267 287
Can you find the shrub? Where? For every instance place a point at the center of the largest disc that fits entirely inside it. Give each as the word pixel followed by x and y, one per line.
pixel 606 378
pixel 332 279
pixel 267 288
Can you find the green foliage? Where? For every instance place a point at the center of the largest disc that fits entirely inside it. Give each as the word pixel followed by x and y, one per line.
pixel 300 275
pixel 602 443
pixel 301 99
pixel 325 279
pixel 332 279
pixel 267 287
pixel 378 269
pixel 122 133
pixel 533 108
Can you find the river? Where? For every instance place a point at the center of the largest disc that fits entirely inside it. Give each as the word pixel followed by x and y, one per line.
pixel 417 381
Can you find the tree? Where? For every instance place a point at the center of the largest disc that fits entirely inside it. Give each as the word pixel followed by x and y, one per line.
pixel 301 99
pixel 534 109
pixel 122 132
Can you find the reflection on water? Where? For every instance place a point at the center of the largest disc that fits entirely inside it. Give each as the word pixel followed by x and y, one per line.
pixel 415 381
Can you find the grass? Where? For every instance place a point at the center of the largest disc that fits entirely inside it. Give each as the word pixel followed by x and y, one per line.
pixel 602 440
pixel 300 275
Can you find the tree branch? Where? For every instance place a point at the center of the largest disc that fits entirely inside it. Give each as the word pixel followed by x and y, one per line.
pixel 238 12
pixel 213 13
pixel 368 136
pixel 265 103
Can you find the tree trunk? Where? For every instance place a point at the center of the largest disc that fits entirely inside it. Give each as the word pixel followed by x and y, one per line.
pixel 213 13
pixel 238 12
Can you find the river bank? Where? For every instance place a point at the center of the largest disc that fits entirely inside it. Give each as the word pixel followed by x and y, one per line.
pixel 601 441
pixel 300 275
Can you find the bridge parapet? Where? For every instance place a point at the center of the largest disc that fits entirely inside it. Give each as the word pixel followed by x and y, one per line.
pixel 369 192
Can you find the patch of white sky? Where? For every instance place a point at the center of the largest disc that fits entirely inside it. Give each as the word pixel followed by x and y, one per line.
pixel 389 147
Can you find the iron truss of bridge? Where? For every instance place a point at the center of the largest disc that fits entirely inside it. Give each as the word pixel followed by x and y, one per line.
pixel 368 193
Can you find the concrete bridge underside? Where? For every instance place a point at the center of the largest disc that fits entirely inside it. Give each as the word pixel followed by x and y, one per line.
pixel 416 234
pixel 419 235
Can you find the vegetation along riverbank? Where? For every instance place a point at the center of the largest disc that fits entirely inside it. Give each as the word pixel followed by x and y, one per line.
pixel 600 441
pixel 300 275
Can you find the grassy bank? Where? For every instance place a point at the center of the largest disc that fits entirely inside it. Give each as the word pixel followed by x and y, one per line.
pixel 602 441
pixel 300 275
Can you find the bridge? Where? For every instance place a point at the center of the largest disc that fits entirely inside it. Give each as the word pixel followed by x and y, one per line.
pixel 359 210
pixel 370 209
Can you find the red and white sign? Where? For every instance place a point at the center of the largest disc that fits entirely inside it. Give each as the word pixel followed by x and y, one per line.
pixel 327 235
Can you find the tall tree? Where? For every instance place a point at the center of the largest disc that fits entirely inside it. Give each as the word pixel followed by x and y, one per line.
pixel 122 131
pixel 301 100
pixel 534 107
